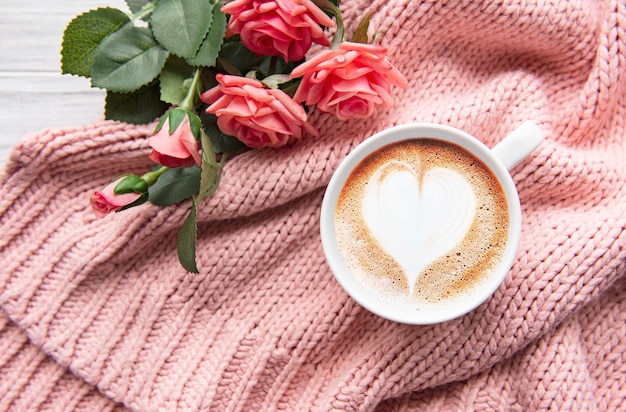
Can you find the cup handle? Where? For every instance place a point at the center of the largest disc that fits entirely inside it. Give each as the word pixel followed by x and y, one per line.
pixel 518 144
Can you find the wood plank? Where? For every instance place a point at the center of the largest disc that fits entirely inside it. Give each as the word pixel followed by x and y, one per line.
pixel 33 93
pixel 32 103
pixel 32 32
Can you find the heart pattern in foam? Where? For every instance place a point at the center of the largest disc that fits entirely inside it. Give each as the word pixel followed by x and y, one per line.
pixel 416 222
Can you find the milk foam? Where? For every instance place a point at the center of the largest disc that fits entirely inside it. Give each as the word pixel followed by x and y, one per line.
pixel 416 222
pixel 421 220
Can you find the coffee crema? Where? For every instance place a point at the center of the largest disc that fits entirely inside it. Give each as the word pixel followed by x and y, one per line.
pixel 421 220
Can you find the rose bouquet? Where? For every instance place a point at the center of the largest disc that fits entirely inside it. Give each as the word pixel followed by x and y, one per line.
pixel 220 78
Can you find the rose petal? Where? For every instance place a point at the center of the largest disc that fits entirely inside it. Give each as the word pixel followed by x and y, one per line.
pixel 319 16
pixel 106 201
pixel 357 85
pixel 291 107
pixel 211 95
pixel 186 137
pixel 162 142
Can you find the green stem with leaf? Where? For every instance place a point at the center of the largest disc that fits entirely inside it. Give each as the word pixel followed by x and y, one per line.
pixel 189 102
pixel 340 33
pixel 144 12
pixel 211 171
pixel 152 176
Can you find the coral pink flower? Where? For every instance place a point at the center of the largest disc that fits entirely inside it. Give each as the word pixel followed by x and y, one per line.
pixel 106 201
pixel 349 82
pixel 284 28
pixel 256 115
pixel 179 149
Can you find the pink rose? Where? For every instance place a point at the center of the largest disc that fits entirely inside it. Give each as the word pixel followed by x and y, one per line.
pixel 255 114
pixel 106 201
pixel 349 82
pixel 277 27
pixel 179 149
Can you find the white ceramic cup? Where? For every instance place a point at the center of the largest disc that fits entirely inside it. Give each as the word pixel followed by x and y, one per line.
pixel 500 159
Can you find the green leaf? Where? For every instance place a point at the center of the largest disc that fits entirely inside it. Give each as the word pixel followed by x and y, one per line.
pixel 83 35
pixel 360 34
pixel 222 143
pixel 325 4
pixel 174 80
pixel 139 107
pixel 175 116
pixel 127 60
pixel 140 201
pixel 208 78
pixel 211 170
pixel 195 124
pixel 136 5
pixel 236 59
pixel 271 65
pixel 275 80
pixel 181 25
pixel 328 6
pixel 290 87
pixel 187 238
pixel 340 31
pixel 128 184
pixel 212 43
pixel 175 185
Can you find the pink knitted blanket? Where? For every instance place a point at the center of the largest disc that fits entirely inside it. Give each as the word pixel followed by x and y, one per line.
pixel 98 314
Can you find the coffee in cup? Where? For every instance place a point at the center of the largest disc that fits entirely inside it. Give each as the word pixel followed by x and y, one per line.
pixel 421 222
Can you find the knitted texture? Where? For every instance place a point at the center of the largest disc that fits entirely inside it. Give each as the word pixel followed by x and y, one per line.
pixel 99 315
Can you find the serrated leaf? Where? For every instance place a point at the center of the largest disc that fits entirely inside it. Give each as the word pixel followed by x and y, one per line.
pixel 181 25
pixel 136 5
pixel 212 43
pixel 175 185
pixel 83 35
pixel 127 59
pixel 187 238
pixel 173 78
pixel 139 107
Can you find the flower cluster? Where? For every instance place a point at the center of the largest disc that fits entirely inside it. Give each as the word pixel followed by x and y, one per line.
pixel 239 76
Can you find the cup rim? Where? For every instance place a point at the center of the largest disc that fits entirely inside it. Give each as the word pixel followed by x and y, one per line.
pixel 386 308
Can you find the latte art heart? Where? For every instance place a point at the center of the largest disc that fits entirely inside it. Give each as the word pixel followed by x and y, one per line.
pixel 417 220
pixel 421 221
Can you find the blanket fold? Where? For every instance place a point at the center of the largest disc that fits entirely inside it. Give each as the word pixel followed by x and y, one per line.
pixel 97 314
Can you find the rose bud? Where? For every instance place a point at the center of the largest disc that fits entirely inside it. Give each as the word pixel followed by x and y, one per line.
pixel 175 142
pixel 106 200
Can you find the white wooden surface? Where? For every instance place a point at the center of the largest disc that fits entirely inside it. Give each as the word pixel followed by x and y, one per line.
pixel 33 93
